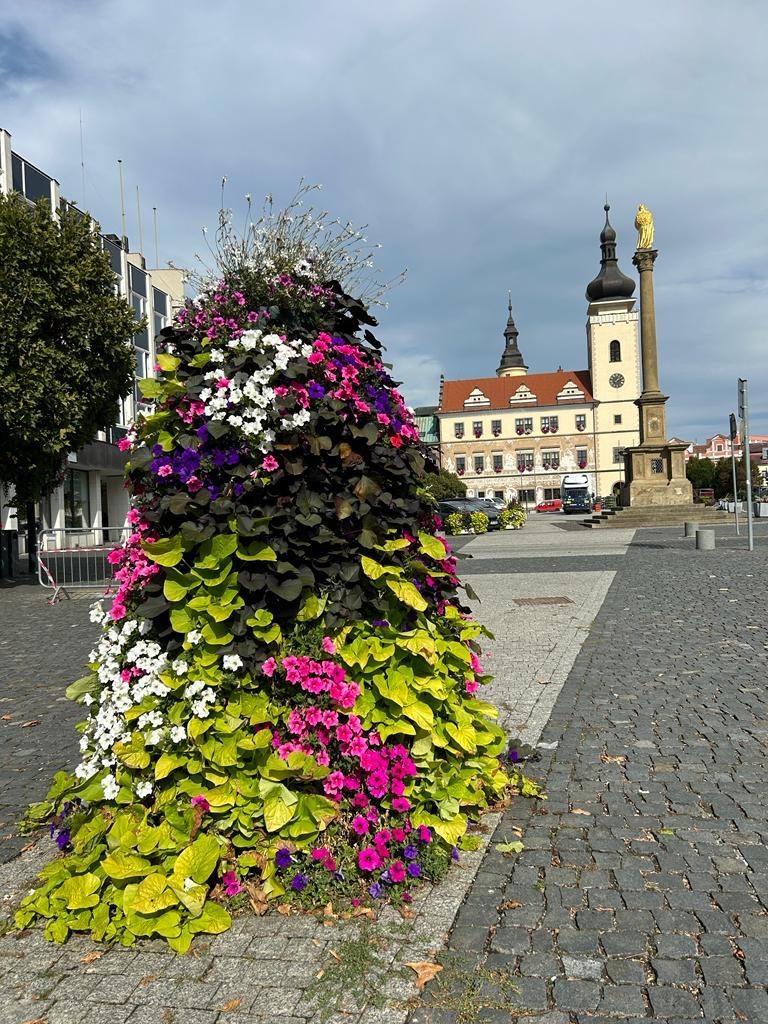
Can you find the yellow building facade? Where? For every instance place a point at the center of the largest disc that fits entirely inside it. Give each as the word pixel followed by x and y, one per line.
pixel 514 435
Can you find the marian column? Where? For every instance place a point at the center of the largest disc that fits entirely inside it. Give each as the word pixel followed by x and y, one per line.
pixel 655 470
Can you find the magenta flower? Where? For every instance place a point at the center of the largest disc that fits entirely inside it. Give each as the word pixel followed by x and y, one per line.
pixel 328 645
pixel 397 871
pixel 424 834
pixel 470 686
pixel 401 804
pixel 269 666
pixel 201 802
pixel 360 825
pixel 270 463
pixel 368 859
pixel 231 883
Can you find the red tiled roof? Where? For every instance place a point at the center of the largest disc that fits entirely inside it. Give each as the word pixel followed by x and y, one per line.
pixel 546 387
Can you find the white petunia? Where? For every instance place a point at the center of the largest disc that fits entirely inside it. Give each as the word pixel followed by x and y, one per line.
pixel 232 662
pixel 179 667
pixel 110 787
pixel 143 789
pixel 178 734
pixel 194 636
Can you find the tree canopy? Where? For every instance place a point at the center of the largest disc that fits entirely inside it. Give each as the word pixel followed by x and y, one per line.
pixel 443 485
pixel 65 352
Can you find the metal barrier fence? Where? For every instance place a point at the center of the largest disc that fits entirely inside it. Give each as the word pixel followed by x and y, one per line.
pixel 77 559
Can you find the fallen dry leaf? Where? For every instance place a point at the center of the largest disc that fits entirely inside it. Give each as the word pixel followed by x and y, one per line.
pixel 608 759
pixel 335 955
pixel 257 898
pixel 147 979
pixel 37 1020
pixel 5 718
pixel 284 909
pixel 328 910
pixel 425 971
pixel 28 846
pixel 89 958
pixel 231 1005
pixel 406 914
pixel 32 721
pixel 578 810
pixel 368 912
pixel 510 905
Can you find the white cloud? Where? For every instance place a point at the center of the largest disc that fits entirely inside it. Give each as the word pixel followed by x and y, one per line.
pixel 477 142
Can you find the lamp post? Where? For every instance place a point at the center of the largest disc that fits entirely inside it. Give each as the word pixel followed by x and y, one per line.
pixel 595 404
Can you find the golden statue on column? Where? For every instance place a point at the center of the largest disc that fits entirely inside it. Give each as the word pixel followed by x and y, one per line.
pixel 644 225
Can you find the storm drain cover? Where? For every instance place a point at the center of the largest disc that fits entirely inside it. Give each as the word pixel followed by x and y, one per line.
pixel 542 600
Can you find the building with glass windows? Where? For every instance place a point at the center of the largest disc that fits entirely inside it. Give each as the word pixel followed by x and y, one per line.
pixel 513 436
pixel 92 498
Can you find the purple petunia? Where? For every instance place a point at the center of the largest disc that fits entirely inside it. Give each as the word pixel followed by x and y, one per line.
pixel 375 890
pixel 299 882
pixel 62 839
pixel 315 390
pixel 410 852
pixel 283 857
pixel 413 870
pixel 454 853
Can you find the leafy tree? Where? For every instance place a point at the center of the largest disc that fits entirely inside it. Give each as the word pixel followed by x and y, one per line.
pixel 65 356
pixel 700 472
pixel 443 485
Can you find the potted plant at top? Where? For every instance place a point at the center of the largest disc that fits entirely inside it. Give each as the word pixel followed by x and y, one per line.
pixel 582 463
pixel 553 429
pixel 519 430
pixel 544 428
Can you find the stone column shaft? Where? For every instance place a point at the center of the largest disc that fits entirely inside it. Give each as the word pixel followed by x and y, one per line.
pixel 644 260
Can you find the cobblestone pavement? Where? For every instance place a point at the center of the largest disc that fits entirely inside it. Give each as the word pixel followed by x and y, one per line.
pixel 42 650
pixel 642 892
pixel 646 896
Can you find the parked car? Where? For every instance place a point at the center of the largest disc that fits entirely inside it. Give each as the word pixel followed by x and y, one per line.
pixel 553 505
pixel 444 508
pixel 498 503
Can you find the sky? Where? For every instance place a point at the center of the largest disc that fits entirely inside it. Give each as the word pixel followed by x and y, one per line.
pixel 477 142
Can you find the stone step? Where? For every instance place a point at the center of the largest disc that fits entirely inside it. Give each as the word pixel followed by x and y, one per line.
pixel 662 515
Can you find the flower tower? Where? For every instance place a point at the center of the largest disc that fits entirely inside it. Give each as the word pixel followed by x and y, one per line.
pixel 283 700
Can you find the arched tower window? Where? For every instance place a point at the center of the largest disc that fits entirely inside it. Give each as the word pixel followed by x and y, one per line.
pixel 615 352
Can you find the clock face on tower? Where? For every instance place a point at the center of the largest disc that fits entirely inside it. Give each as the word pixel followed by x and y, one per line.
pixel 616 380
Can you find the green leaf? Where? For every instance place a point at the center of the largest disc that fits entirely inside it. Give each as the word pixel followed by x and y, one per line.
pixel 420 713
pixel 312 608
pixel 87 684
pixel 199 860
pixel 177 584
pixel 279 805
pixel 166 551
pixel 213 920
pixel 463 735
pixel 152 895
pixel 167 362
pixel 513 847
pixel 375 570
pixel 256 551
pixel 431 546
pixel 151 388
pixel 408 594
pixel 133 754
pixel 167 763
pixel 80 891
pixel 125 865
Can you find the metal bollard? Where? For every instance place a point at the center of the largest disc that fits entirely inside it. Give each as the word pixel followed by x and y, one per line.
pixel 690 529
pixel 705 540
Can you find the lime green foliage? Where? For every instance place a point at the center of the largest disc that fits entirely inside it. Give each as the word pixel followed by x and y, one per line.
pixel 514 516
pixel 457 522
pixel 479 522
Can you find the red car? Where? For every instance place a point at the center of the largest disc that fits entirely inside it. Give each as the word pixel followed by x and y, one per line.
pixel 549 506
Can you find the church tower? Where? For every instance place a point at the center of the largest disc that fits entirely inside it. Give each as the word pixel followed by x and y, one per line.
pixel 613 350
pixel 512 363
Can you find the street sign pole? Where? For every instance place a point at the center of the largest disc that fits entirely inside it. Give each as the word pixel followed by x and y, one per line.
pixel 744 414
pixel 733 468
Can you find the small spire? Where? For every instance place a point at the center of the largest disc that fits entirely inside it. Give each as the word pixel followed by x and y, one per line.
pixel 610 283
pixel 511 360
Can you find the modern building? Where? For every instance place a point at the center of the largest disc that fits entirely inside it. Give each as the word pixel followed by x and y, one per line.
pixel 719 447
pixel 514 435
pixel 92 497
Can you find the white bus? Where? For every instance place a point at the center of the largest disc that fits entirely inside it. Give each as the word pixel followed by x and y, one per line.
pixel 575 493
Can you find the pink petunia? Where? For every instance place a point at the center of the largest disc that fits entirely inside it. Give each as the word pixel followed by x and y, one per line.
pixel 471 686
pixel 194 484
pixel 397 871
pixel 124 444
pixel 201 802
pixel 368 859
pixel 401 804
pixel 320 853
pixel 165 470
pixel 360 825
pixel 424 834
pixel 268 668
pixel 328 645
pixel 270 463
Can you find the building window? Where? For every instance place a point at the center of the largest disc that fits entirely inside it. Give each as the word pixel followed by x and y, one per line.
pixel 496 428
pixel 581 458
pixel 461 465
pixel 77 502
pixel 499 495
pixel 526 496
pixel 498 463
pixel 718 447
pixel 549 424
pixel 477 428
pixel 458 430
pixel 524 425
pixel 615 352
pixel 617 419
pixel 479 463
pixel 525 462
pixel 581 422
pixel 550 458
pixel 618 454
pixel 550 493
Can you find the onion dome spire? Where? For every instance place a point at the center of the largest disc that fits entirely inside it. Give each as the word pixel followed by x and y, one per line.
pixel 610 283
pixel 512 362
